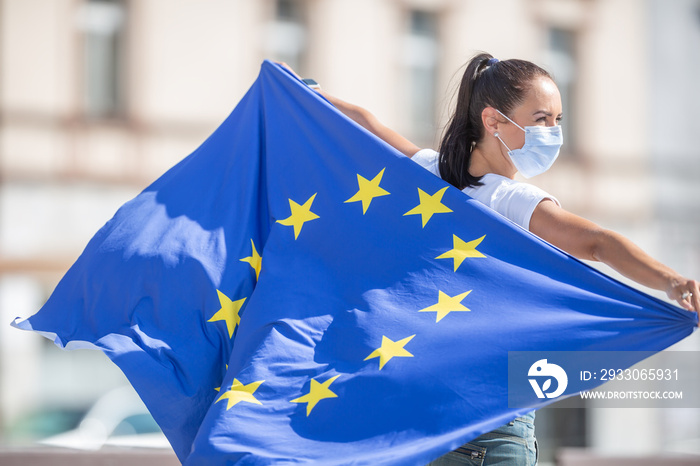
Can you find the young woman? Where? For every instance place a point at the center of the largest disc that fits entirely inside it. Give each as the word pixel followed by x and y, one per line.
pixel 506 121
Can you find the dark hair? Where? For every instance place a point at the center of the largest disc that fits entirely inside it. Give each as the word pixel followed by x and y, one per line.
pixel 486 82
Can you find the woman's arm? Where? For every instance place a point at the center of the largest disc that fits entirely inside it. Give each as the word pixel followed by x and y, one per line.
pixel 368 121
pixel 586 240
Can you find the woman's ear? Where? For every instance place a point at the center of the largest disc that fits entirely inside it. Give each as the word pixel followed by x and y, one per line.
pixel 490 120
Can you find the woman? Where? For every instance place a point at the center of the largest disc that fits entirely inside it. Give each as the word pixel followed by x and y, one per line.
pixel 507 120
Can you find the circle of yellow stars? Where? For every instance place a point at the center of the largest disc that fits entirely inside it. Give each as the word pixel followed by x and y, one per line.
pixel 368 190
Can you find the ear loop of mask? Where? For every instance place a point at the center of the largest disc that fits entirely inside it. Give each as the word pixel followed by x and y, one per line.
pixel 497 134
pixel 504 116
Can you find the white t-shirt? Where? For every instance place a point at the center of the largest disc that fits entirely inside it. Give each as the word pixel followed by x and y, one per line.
pixel 514 200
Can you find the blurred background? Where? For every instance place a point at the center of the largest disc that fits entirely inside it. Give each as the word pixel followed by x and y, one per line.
pixel 99 97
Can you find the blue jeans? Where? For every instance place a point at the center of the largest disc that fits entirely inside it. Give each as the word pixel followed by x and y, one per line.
pixel 513 444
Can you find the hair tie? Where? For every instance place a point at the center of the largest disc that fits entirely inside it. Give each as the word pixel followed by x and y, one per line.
pixel 492 61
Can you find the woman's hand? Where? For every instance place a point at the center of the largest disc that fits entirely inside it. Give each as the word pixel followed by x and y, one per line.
pixel 685 292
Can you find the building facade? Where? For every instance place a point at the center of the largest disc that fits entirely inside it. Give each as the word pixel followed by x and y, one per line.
pixel 99 97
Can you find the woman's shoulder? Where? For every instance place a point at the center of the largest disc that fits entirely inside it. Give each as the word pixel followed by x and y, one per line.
pixel 428 159
pixel 513 199
pixel 501 186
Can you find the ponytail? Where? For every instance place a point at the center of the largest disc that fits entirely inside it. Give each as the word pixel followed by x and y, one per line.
pixel 486 82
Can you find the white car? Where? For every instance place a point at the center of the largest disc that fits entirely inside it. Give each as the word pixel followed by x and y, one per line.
pixel 118 418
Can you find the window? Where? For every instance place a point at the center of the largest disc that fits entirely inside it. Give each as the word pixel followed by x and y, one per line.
pixel 560 61
pixel 286 34
pixel 102 24
pixel 420 57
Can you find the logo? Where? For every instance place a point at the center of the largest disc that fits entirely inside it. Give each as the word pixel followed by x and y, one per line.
pixel 541 369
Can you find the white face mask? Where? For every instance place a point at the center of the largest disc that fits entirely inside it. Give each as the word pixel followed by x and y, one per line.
pixel 541 148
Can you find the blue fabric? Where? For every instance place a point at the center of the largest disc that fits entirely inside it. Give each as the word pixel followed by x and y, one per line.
pixel 150 287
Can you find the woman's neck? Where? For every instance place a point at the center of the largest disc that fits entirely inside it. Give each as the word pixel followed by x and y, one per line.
pixel 482 163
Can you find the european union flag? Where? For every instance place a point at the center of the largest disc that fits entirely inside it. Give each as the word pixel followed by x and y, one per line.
pixel 296 290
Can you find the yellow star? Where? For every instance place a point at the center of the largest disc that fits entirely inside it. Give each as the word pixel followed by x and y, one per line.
pixel 447 304
pixel 317 392
pixel 255 260
pixel 368 190
pixel 389 349
pixel 240 392
pixel 228 312
pixel 461 250
pixel 300 215
pixel 429 205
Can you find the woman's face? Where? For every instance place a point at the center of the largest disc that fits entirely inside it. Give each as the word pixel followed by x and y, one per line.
pixel 541 107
